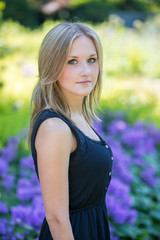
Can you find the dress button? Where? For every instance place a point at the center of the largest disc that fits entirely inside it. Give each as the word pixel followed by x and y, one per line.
pixel 110 174
pixel 106 188
pixel 112 158
pixel 106 146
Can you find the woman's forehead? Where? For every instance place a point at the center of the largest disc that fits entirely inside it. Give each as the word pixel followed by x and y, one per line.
pixel 83 45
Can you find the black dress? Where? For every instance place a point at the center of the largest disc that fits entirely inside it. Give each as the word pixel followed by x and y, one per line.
pixel 89 176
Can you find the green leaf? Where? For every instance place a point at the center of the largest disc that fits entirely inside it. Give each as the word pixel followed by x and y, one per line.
pixel 27 227
pixel 155 214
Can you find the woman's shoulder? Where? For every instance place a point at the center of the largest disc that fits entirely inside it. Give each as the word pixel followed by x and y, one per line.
pixel 51 120
pixel 54 124
pixel 53 129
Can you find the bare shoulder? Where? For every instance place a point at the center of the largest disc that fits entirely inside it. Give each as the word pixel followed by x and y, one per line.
pixel 53 129
pixel 54 124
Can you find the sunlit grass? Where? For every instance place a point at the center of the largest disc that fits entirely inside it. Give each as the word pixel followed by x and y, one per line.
pixel 138 97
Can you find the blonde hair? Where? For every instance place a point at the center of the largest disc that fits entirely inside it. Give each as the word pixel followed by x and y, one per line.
pixel 53 55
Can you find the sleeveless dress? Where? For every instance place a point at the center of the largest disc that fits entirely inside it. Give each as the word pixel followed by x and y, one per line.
pixel 89 175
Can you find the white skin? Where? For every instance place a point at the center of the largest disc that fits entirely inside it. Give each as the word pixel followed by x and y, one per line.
pixel 82 66
pixel 54 140
pixel 79 79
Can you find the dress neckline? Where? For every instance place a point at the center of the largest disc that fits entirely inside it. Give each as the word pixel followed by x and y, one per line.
pixel 94 140
pixel 100 141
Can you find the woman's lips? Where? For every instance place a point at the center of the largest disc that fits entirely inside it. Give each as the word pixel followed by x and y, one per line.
pixel 84 82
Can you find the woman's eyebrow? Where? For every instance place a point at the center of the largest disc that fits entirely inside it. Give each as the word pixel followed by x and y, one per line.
pixel 94 54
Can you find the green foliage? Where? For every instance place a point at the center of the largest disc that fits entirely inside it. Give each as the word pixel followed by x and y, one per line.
pixel 21 11
pixel 28 12
pixel 147 201
pixel 98 11
pixel 13 117
pixel 93 11
pixel 2 7
pixel 123 4
pixel 131 5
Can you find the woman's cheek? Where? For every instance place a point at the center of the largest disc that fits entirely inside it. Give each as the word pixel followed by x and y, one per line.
pixel 96 72
pixel 65 76
pixel 69 72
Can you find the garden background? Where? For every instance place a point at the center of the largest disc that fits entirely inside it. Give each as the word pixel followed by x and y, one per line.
pixel 130 35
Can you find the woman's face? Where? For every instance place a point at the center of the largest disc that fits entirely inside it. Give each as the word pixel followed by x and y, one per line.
pixel 81 71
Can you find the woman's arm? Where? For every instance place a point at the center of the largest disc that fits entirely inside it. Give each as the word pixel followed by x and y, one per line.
pixel 54 143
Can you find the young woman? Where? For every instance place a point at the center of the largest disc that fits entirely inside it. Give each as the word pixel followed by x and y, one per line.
pixel 73 163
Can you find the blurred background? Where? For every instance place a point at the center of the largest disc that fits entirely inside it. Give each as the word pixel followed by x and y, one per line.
pixel 130 35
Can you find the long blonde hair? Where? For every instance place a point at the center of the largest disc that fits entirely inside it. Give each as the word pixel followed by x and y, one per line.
pixel 53 55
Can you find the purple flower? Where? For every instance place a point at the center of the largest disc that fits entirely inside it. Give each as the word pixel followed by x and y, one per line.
pixel 139 161
pixel 3 208
pixel 37 218
pixel 8 238
pixel 148 176
pixel 118 188
pixel 37 203
pixel 21 214
pixel 38 212
pixel 3 167
pixel 8 153
pixel 4 226
pixel 8 181
pixel 119 202
pixel 150 146
pixel 154 133
pixel 117 127
pixel 23 173
pixel 138 125
pixel 24 183
pixel 121 215
pixel 27 162
pixel 34 179
pixel 145 147
pixel 14 141
pixel 98 128
pixel 133 214
pixel 19 236
pixel 25 189
pixel 119 211
pixel 112 231
pixel 134 137
pixel 114 237
pixel 121 163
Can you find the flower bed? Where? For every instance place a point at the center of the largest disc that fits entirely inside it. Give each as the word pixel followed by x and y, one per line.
pixel 133 199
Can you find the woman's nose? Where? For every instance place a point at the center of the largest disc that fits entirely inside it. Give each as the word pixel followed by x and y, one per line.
pixel 85 70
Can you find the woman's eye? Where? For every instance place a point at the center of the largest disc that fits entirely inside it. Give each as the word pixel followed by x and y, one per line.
pixel 73 61
pixel 91 60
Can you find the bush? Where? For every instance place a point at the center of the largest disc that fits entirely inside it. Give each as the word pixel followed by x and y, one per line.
pixel 23 12
pixel 93 11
